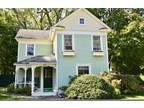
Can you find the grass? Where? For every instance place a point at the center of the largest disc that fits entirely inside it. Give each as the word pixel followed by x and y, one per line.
pixel 9 97
pixel 142 77
pixel 133 97
pixel 5 96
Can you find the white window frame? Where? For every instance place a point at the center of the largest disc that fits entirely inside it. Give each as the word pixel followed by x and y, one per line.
pixel 101 43
pixel 73 43
pixel 77 65
pixel 27 48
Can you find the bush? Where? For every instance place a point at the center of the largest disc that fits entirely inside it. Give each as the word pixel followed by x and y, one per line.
pixel 109 78
pixel 23 90
pixel 89 87
pixel 72 78
pixel 123 84
pixel 11 88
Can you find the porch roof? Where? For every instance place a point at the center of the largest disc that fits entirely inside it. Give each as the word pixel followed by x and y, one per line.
pixel 39 60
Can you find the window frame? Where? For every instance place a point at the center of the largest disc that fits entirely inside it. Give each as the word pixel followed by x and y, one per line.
pixel 101 44
pixel 73 46
pixel 26 52
pixel 77 65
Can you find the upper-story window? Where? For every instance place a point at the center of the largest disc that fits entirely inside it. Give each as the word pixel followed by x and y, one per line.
pixel 30 49
pixel 97 44
pixel 68 42
pixel 82 21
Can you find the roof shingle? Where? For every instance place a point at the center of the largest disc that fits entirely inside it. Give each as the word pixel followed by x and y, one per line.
pixel 33 34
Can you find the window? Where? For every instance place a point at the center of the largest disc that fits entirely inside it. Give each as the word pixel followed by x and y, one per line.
pixel 68 42
pixel 81 20
pixel 83 70
pixel 30 49
pixel 97 44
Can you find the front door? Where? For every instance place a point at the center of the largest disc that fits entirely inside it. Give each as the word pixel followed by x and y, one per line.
pixel 48 80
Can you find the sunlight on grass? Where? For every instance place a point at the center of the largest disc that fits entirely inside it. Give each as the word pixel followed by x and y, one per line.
pixel 142 77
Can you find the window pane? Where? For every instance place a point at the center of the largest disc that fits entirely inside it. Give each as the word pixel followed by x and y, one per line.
pixel 81 20
pixel 83 70
pixel 30 49
pixel 68 42
pixel 96 43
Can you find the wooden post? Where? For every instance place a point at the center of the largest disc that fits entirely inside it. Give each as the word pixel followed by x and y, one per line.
pixel 41 83
pixel 32 83
pixel 25 76
pixel 16 72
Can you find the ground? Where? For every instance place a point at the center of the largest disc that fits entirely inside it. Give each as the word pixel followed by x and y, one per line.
pixel 5 96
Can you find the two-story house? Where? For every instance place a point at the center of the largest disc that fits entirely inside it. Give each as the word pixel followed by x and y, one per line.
pixel 46 59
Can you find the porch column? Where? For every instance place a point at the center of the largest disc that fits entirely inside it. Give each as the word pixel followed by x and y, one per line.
pixel 16 72
pixel 41 79
pixel 32 83
pixel 25 74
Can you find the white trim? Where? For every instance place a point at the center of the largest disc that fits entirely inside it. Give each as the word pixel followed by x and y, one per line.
pixel 82 32
pixel 73 43
pixel 57 69
pixel 34 41
pixel 18 57
pixel 33 80
pixel 101 42
pixel 26 45
pixel 25 76
pixel 86 11
pixel 41 78
pixel 107 54
pixel 77 65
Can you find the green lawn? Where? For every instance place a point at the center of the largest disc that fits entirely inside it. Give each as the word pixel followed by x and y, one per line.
pixel 5 96
pixel 133 97
pixel 9 97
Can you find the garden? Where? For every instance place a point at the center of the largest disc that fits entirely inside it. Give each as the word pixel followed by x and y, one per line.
pixel 105 86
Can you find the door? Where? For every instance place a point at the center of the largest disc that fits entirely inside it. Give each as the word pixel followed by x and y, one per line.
pixel 48 80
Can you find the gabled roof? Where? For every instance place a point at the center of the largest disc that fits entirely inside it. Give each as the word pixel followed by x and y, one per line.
pixel 87 12
pixel 33 34
pixel 39 60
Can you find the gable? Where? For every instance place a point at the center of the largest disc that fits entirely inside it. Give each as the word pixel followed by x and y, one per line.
pixel 72 22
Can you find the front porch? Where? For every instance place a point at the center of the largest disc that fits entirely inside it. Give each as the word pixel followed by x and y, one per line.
pixel 40 76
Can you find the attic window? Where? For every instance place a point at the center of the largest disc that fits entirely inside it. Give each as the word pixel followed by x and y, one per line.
pixel 82 21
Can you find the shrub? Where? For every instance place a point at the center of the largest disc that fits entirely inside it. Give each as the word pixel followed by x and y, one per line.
pixel 11 88
pixel 124 84
pixel 23 90
pixel 89 87
pixel 72 78
pixel 63 88
pixel 109 78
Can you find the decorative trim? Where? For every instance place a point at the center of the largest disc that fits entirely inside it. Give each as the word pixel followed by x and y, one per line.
pixel 98 53
pixel 82 32
pixel 77 65
pixel 107 55
pixel 68 53
pixel 87 12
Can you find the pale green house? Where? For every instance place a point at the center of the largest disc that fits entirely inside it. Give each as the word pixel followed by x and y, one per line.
pixel 74 46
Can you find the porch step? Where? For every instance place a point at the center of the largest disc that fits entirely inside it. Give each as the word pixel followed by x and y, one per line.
pixel 44 94
pixel 48 89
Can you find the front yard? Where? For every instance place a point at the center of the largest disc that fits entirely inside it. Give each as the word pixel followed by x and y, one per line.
pixel 8 96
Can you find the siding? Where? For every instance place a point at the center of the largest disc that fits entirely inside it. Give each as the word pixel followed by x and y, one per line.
pixel 40 49
pixel 67 65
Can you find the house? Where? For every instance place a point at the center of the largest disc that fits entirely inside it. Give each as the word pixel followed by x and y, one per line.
pixel 74 46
